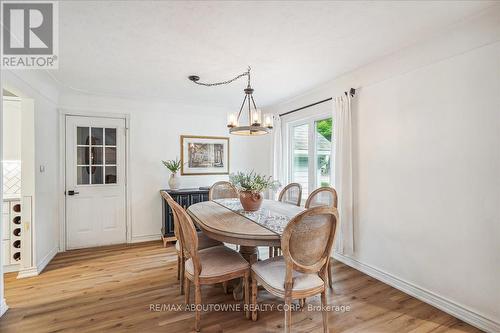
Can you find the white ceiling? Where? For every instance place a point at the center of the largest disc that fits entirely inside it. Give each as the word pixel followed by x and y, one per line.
pixel 146 49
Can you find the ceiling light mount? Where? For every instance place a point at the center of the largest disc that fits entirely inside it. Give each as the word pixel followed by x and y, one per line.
pixel 257 125
pixel 194 78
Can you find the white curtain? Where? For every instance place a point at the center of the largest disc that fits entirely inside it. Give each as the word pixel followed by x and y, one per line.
pixel 277 157
pixel 342 171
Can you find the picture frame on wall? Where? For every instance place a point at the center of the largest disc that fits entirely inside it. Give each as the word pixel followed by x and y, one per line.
pixel 204 155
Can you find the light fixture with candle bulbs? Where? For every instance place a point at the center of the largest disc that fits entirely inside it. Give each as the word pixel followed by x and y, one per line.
pixel 257 124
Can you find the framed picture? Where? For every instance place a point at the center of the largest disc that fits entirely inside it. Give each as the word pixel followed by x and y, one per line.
pixel 204 155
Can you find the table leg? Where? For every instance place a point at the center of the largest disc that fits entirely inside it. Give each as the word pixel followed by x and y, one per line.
pixel 250 254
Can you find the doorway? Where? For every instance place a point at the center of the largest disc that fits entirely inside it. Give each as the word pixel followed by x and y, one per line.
pixel 95 181
pixel 18 184
pixel 309 152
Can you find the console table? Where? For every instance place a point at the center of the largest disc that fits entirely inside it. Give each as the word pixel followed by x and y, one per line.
pixel 184 197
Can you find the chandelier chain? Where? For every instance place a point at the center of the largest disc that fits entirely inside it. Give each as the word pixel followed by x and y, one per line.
pixel 247 73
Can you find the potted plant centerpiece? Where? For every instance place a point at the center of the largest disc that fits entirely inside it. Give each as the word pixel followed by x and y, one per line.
pixel 250 187
pixel 174 166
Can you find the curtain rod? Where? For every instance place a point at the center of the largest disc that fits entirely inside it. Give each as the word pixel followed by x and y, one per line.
pixel 352 91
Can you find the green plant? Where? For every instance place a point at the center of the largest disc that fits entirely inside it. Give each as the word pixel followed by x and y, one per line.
pixel 173 165
pixel 324 127
pixel 252 182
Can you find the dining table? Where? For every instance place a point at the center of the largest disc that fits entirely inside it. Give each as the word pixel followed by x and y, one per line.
pixel 225 220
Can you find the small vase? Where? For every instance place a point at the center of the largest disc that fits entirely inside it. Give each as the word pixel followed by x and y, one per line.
pixel 250 201
pixel 173 181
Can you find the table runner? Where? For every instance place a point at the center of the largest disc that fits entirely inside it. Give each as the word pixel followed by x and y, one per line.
pixel 264 217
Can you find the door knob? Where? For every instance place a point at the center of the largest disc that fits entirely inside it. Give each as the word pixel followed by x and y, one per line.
pixel 73 192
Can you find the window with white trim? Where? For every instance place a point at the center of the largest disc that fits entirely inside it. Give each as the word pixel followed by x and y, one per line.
pixel 309 144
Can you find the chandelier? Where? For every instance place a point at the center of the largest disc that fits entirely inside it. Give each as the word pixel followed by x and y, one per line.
pixel 257 123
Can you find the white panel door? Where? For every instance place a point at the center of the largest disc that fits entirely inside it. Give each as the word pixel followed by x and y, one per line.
pixel 95 182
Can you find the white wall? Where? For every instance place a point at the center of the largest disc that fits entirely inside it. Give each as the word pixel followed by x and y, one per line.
pixel 155 129
pixel 11 125
pixel 34 85
pixel 427 165
pixel 428 181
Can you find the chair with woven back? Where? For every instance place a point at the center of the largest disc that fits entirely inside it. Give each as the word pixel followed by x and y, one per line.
pixel 323 196
pixel 203 241
pixel 222 190
pixel 290 194
pixel 301 272
pixel 208 266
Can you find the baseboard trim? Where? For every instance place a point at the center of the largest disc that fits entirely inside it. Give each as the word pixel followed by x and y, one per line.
pixel 145 238
pixel 45 261
pixel 426 296
pixel 27 272
pixel 36 270
pixel 3 307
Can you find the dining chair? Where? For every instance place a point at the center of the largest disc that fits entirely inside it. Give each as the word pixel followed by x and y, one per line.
pixel 208 266
pixel 301 272
pixel 204 241
pixel 323 196
pixel 291 194
pixel 222 190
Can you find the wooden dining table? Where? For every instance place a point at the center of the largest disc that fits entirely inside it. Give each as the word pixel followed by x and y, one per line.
pixel 223 224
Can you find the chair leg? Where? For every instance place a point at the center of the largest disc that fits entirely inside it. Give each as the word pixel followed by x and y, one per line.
pixel 288 314
pixel 324 313
pixel 187 289
pixel 330 279
pixel 302 302
pixel 254 298
pixel 178 267
pixel 197 302
pixel 247 292
pixel 181 273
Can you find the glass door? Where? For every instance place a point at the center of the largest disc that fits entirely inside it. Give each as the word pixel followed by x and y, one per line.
pixel 310 144
pixel 322 151
pixel 300 157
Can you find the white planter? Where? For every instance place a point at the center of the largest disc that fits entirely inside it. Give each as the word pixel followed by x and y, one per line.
pixel 174 181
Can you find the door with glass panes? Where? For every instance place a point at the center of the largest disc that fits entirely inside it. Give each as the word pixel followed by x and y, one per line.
pixel 95 182
pixel 310 144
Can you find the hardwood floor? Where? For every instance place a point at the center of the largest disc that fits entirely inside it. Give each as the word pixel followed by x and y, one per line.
pixel 111 289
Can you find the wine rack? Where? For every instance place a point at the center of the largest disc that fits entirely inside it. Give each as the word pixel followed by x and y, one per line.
pixel 12 235
pixel 15 238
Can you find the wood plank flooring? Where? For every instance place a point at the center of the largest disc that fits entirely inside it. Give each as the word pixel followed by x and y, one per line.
pixel 111 289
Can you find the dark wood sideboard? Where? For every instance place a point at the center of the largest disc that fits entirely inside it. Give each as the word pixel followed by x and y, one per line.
pixel 184 197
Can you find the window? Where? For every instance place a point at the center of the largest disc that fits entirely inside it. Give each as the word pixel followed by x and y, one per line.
pixel 300 156
pixel 323 148
pixel 309 153
pixel 96 155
